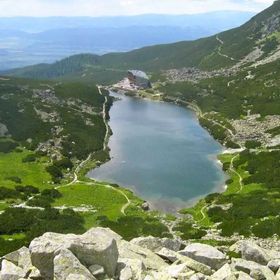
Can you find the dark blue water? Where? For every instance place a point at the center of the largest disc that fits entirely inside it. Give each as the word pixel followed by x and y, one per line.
pixel 160 151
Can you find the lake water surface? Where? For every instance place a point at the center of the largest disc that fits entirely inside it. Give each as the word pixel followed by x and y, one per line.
pixel 160 151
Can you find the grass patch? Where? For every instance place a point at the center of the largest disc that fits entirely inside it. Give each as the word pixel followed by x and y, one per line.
pixel 30 173
pixel 105 200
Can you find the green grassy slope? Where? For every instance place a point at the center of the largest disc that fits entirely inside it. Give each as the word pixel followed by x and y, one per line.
pixel 204 53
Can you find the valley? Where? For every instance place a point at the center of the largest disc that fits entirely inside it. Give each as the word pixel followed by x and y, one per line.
pixel 54 132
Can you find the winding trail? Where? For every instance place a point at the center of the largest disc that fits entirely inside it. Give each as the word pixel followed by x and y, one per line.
pixel 220 49
pixel 231 168
pixel 202 213
pixel 104 119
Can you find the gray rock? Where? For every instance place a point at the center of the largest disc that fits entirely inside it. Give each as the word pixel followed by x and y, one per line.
pixel 131 266
pixel 167 254
pixel 195 265
pixel 274 265
pixel 20 258
pixel 198 276
pixel 128 250
pixel 255 270
pixel 251 252
pixel 161 276
pixel 155 244
pixel 76 277
pixel 97 246
pixel 43 250
pixel 242 276
pixel 278 274
pixel 65 264
pixel 205 254
pixel 96 270
pixel 177 270
pixel 126 273
pixel 34 274
pixel 223 273
pixel 145 206
pixel 9 271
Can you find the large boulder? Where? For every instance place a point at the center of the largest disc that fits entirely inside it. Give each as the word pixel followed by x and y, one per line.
pixel 65 264
pixel 20 258
pixel 9 271
pixel 224 273
pixel 167 254
pixel 128 250
pixel 205 254
pixel 94 247
pixel 97 246
pixel 194 265
pixel 255 270
pixel 155 244
pixel 43 250
pixel 251 252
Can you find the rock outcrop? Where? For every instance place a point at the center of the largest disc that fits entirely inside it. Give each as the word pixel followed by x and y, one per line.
pixel 101 254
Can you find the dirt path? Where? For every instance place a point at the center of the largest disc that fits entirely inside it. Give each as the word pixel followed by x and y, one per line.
pixel 202 213
pixel 104 119
pixel 231 168
pixel 220 49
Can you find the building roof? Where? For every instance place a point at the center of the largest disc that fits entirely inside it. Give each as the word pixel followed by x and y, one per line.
pixel 138 73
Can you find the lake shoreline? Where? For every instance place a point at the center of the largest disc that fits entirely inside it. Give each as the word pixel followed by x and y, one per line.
pixel 158 204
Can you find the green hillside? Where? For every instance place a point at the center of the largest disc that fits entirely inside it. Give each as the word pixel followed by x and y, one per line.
pixel 224 50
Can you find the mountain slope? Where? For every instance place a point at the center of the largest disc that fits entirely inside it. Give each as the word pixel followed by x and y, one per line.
pixel 247 44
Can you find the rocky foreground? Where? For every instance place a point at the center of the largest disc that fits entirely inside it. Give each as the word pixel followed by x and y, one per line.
pixel 102 254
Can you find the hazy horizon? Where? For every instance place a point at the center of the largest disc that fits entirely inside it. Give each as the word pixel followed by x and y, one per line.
pixel 94 8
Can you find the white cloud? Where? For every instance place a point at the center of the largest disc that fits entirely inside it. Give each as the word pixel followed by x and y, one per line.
pixel 123 7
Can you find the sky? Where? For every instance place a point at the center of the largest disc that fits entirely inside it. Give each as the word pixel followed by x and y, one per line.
pixel 96 8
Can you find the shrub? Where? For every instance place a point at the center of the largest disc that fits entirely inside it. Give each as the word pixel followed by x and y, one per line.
pixel 7 146
pixel 252 144
pixel 30 158
pixel 14 179
pixel 55 172
pixel 64 163
pixel 52 193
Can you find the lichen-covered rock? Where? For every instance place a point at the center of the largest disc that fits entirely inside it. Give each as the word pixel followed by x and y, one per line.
pixel 167 254
pixel 251 252
pixel 96 270
pixel 198 276
pixel 98 246
pixel 278 274
pixel 223 273
pixel 34 273
pixel 43 250
pixel 240 275
pixel 274 265
pixel 65 264
pixel 136 267
pixel 255 270
pixel 9 271
pixel 94 247
pixel 76 277
pixel 20 258
pixel 128 250
pixel 155 244
pixel 195 265
pixel 205 254
pixel 176 271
